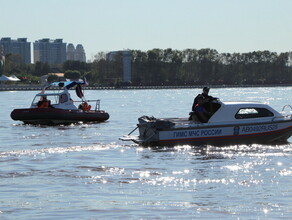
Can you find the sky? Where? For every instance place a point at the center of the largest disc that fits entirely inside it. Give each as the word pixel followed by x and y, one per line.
pixel 108 25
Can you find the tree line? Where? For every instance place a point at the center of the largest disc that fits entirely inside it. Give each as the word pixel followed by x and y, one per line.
pixel 158 67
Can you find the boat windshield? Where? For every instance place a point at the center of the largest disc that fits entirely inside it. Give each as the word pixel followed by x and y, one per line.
pixel 53 98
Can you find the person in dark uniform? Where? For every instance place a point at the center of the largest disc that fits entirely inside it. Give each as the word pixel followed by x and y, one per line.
pixel 206 97
pixel 201 114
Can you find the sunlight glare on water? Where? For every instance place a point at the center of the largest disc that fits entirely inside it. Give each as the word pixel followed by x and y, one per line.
pixel 84 171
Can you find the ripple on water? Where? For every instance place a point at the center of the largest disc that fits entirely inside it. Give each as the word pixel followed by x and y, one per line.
pixel 84 171
pixel 54 150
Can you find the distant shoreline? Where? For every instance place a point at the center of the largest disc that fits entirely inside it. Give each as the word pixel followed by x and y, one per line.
pixel 39 87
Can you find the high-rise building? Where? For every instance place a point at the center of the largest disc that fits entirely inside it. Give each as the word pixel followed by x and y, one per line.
pixel 49 51
pixel 19 46
pixel 70 52
pixel 77 54
pixel 80 53
pixel 126 57
pixel 127 66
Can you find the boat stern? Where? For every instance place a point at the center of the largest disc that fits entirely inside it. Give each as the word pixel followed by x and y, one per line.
pixel 149 128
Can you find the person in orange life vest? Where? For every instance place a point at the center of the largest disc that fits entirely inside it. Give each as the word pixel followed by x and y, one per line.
pixel 44 103
pixel 84 106
pixel 200 111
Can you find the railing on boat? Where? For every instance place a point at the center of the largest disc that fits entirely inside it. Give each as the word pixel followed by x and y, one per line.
pixel 287 106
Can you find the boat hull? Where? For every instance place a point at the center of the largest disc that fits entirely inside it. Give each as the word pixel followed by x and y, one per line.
pixel 55 116
pixel 257 133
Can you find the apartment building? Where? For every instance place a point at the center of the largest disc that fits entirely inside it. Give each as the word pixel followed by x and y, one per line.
pixel 44 50
pixel 18 47
pixel 49 51
pixel 76 54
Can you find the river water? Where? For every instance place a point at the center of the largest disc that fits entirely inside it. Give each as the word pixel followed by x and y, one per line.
pixel 85 172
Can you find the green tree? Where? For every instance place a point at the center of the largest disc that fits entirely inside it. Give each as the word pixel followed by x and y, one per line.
pixel 52 78
pixel 82 67
pixel 72 74
pixel 41 69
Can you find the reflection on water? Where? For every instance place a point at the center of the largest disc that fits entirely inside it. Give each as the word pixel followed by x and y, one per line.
pixel 83 171
pixel 55 150
pixel 199 180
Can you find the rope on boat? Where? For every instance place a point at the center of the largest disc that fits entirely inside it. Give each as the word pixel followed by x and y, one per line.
pixel 133 130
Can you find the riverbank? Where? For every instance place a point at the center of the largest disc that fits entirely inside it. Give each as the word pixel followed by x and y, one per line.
pixel 40 87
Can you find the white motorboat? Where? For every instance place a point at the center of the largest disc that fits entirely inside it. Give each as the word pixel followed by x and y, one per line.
pixel 230 123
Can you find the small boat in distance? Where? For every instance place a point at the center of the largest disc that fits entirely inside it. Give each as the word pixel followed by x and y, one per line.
pixel 55 108
pixel 230 123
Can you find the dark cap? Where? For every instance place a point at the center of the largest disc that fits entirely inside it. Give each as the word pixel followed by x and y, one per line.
pixel 206 88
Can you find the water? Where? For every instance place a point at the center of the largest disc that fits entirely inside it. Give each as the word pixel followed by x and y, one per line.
pixel 85 172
